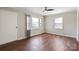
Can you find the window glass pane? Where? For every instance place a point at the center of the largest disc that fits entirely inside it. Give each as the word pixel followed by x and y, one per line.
pixel 40 22
pixel 59 20
pixel 35 20
pixel 28 22
pixel 58 26
pixel 59 23
pixel 35 23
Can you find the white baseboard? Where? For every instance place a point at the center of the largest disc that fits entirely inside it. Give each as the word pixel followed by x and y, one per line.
pixel 21 38
pixel 68 36
pixel 64 35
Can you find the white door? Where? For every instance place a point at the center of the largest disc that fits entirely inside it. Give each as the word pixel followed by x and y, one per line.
pixel 8 23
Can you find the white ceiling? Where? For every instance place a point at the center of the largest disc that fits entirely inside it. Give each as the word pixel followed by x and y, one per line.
pixel 39 10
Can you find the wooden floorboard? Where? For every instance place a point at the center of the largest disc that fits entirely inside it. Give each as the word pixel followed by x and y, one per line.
pixel 43 42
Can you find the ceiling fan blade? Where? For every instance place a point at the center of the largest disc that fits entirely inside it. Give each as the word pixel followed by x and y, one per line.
pixel 48 9
pixel 45 8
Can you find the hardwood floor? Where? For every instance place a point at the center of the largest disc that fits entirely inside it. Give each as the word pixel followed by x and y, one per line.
pixel 43 42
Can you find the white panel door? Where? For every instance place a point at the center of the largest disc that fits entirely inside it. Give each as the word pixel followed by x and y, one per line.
pixel 8 23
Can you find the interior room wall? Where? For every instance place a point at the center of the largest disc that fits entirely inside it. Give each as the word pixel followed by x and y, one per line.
pixel 8 23
pixel 70 24
pixel 78 25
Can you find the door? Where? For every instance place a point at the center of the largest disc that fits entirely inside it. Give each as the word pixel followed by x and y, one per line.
pixel 8 23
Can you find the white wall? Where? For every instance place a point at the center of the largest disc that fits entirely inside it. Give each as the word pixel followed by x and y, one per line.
pixel 70 24
pixel 78 24
pixel 8 23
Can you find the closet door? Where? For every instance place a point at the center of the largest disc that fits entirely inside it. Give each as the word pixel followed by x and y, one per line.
pixel 8 26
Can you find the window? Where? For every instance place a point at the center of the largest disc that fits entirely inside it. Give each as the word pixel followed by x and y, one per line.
pixel 40 22
pixel 58 23
pixel 36 23
pixel 28 22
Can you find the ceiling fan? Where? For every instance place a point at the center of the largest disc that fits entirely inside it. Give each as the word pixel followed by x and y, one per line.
pixel 47 9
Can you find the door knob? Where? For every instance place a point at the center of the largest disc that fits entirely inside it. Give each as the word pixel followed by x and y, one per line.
pixel 16 27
